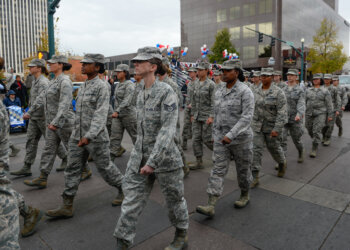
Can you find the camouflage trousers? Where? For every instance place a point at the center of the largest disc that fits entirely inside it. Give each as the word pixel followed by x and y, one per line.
pixel 328 128
pixel 202 133
pixel 273 145
pixel 9 218
pixel 52 143
pixel 4 152
pixel 109 125
pixel 118 126
pixel 242 154
pixel 187 128
pixel 36 129
pixel 296 131
pixel 338 119
pixel 137 188
pixel 314 126
pixel 77 157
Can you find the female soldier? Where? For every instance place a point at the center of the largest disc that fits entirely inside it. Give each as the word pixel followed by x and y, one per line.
pixel 318 107
pixel 124 116
pixel 59 116
pixel 233 136
pixel 155 155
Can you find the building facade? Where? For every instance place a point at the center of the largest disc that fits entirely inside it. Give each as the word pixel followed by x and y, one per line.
pixel 21 24
pixel 289 20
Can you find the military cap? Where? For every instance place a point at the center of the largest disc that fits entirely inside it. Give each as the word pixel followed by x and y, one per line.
pixel 277 73
pixel 327 76
pixel 165 61
pixel 293 72
pixel 266 71
pixel 217 72
pixel 317 76
pixel 246 73
pixel 232 64
pixel 203 65
pixel 37 63
pixel 58 59
pixel 147 53
pixel 93 58
pixel 192 69
pixel 256 73
pixel 122 67
pixel 335 77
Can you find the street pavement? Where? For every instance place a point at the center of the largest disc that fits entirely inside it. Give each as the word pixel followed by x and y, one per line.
pixel 308 209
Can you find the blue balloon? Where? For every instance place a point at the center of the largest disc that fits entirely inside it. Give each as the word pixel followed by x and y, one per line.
pixel 203 56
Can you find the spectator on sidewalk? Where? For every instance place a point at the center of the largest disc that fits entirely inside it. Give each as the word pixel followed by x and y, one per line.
pixel 21 91
pixel 12 100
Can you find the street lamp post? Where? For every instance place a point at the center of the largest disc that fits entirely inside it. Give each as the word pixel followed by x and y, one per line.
pixel 302 60
pixel 51 6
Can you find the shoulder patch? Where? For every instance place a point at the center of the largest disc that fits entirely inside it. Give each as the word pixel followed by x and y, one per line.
pixel 170 108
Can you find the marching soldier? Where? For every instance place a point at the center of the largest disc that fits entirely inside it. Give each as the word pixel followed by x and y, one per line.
pixel 256 82
pixel 277 79
pixel 344 101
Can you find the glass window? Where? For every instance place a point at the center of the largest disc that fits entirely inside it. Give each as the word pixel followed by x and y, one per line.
pixel 248 52
pixel 247 33
pixel 235 33
pixel 266 28
pixel 265 6
pixel 221 16
pixel 249 9
pixel 235 12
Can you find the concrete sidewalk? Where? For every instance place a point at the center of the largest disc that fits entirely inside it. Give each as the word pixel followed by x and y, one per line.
pixel 308 209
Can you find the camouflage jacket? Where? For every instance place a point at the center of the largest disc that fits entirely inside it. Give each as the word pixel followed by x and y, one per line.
pixel 218 85
pixel 254 87
pixel 57 102
pixel 175 87
pixel 190 88
pixel 335 97
pixel 295 102
pixel 4 135
pixel 92 104
pixel 138 88
pixel 157 114
pixel 318 101
pixel 39 85
pixel 282 85
pixel 270 110
pixel 202 100
pixel 124 94
pixel 233 113
pixel 343 95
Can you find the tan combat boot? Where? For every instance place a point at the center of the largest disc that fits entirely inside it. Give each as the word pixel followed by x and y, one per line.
pixel 327 142
pixel 186 170
pixel 301 156
pixel 180 240
pixel 85 174
pixel 65 211
pixel 63 165
pixel 40 182
pixel 208 210
pixel 255 181
pixel 31 217
pixel 14 151
pixel 197 165
pixel 24 171
pixel 313 152
pixel 122 244
pixel 243 200
pixel 282 169
pixel 119 199
pixel 120 152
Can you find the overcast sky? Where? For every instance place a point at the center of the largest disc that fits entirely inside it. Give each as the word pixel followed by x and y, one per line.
pixel 114 27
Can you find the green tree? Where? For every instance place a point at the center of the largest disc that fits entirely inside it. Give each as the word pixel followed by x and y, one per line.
pixel 326 54
pixel 222 42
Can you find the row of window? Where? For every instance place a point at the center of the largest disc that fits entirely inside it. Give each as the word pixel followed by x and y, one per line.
pixel 249 52
pixel 249 9
pixel 262 27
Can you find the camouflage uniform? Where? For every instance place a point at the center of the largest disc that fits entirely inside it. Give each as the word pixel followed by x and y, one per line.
pixel 90 122
pixel 344 101
pixel 37 126
pixel 328 129
pixel 138 88
pixel 202 103
pixel 233 112
pixel 124 95
pixel 296 107
pixel 318 107
pixel 270 115
pixel 57 103
pixel 157 114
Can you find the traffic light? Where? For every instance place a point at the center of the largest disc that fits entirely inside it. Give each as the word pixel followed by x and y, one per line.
pixel 273 42
pixel 43 55
pixel 261 37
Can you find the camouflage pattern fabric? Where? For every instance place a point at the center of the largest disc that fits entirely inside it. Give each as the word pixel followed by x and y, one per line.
pixel 187 127
pixel 328 129
pixel 344 101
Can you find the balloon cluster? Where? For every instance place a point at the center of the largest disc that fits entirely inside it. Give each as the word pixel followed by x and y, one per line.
pixel 204 51
pixel 161 46
pixel 184 51
pixel 230 56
